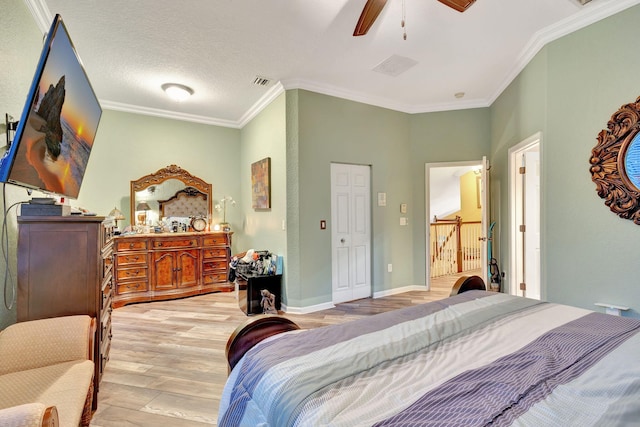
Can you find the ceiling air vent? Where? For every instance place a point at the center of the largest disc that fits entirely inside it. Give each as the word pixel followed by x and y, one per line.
pixel 395 65
pixel 261 81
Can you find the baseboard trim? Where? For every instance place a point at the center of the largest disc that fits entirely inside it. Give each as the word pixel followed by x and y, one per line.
pixel 328 305
pixel 307 310
pixel 395 291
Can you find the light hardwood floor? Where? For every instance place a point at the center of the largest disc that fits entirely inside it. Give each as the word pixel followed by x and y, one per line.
pixel 167 364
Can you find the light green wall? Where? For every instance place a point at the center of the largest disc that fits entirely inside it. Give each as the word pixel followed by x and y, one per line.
pixel 519 112
pixel 591 255
pixel 449 136
pixel 20 45
pixel 265 136
pixel 294 256
pixel 570 91
pixel 129 146
pixel 325 130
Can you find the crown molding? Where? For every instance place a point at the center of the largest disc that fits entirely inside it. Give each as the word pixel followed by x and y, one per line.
pixel 167 114
pixel 262 103
pixel 41 14
pixel 591 13
pixel 345 94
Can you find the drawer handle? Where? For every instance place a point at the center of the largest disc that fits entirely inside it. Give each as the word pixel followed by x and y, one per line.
pixel 131 246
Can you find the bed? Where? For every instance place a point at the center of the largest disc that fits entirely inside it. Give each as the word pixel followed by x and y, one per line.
pixel 476 358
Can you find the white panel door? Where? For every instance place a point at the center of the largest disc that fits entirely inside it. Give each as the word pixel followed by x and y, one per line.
pixel 350 232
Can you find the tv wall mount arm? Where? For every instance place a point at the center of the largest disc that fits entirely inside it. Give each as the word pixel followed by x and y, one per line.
pixel 10 126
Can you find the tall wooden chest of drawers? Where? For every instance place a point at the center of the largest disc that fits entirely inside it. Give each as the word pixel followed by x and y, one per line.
pixel 65 268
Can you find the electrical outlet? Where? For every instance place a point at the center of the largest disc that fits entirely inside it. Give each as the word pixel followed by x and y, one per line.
pixel 389 268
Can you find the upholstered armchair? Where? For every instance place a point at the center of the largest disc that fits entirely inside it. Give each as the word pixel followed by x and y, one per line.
pixel 46 372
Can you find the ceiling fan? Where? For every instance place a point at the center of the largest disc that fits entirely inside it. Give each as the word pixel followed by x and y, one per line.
pixel 373 8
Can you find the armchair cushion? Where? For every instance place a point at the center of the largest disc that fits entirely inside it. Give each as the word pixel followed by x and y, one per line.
pixel 63 385
pixel 29 415
pixel 47 362
pixel 37 343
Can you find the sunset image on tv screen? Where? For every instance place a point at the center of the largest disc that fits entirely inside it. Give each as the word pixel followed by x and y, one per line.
pixel 60 127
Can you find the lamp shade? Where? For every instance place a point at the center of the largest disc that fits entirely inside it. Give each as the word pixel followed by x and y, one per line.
pixel 143 206
pixel 116 214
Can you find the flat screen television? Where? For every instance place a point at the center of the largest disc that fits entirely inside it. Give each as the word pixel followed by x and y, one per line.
pixel 55 134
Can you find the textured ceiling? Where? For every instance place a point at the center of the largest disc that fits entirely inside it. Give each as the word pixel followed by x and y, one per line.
pixel 218 47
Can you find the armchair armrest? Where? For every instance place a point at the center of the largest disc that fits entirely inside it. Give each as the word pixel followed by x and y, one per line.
pixel 29 415
pixel 43 342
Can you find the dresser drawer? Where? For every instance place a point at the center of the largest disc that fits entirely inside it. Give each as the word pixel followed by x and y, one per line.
pixel 177 243
pixel 139 272
pixel 105 329
pixel 215 277
pixel 214 253
pixel 214 265
pixel 132 287
pixel 216 240
pixel 107 294
pixel 131 245
pixel 104 355
pixel 107 281
pixel 131 258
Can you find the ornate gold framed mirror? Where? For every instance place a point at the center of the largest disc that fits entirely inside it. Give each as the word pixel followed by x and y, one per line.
pixel 170 191
pixel 615 162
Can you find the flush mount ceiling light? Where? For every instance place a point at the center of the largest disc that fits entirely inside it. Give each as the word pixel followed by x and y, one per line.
pixel 177 92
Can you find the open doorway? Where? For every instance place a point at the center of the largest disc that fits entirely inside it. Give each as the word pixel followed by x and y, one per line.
pixel 456 217
pixel 524 229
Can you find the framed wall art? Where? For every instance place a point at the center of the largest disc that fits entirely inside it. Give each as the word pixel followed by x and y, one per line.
pixel 261 184
pixel 615 162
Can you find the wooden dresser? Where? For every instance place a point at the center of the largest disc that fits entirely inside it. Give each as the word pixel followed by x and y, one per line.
pixel 150 267
pixel 65 268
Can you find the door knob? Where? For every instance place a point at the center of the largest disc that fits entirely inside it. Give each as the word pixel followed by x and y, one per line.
pixel 342 240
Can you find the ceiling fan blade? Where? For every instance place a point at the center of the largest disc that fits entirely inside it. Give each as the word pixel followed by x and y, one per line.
pixel 369 14
pixel 459 5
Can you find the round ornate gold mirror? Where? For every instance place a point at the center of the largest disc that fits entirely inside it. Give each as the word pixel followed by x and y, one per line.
pixel 615 162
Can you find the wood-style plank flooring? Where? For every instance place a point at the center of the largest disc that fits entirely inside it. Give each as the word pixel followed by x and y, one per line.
pixel 167 364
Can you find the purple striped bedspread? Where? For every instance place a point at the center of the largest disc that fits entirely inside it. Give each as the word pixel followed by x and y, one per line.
pixel 476 359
